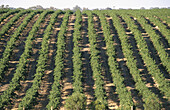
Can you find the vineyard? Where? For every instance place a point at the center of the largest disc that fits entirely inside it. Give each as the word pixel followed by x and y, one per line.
pixel 100 59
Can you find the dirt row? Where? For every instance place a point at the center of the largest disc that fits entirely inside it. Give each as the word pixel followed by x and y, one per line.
pixel 18 50
pixel 6 37
pixel 111 94
pixel 6 20
pixel 153 52
pixel 163 22
pixel 88 81
pixel 146 77
pixel 31 66
pixel 8 74
pixel 158 32
pixel 67 82
pixel 47 80
pixel 128 79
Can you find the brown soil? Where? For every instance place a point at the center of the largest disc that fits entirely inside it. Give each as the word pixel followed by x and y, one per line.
pixel 147 78
pixel 163 22
pixel 88 81
pixel 112 96
pixel 13 59
pixel 17 51
pixel 153 52
pixel 67 87
pixel 6 20
pixel 6 37
pixel 158 32
pixel 47 79
pixel 31 66
pixel 128 79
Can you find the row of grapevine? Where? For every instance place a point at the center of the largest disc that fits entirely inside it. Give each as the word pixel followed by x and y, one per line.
pixel 7 26
pixel 150 99
pixel 40 67
pixel 4 11
pixel 161 27
pixel 125 97
pixel 150 80
pixel 20 69
pixel 10 44
pixel 163 19
pixel 77 96
pixel 100 94
pixel 163 15
pixel 150 63
pixel 155 39
pixel 55 93
pixel 77 63
pixel 5 15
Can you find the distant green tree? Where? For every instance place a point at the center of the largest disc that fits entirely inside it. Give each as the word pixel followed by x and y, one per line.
pixel 2 6
pixel 76 8
pixel 142 8
pixel 7 6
